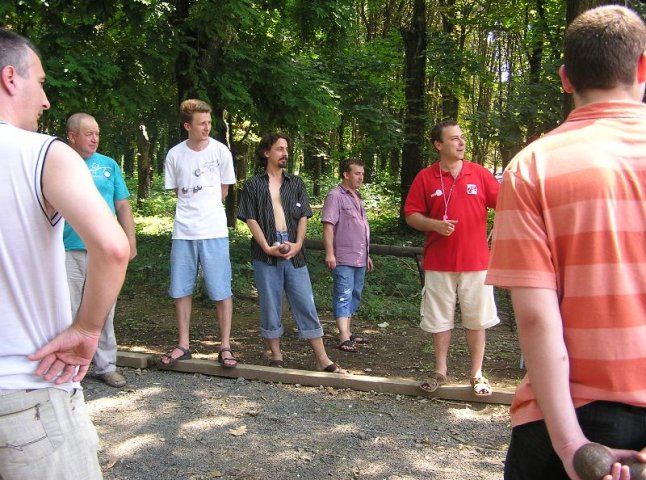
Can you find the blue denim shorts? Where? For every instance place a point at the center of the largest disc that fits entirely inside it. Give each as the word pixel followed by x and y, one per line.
pixel 347 289
pixel 271 281
pixel 213 255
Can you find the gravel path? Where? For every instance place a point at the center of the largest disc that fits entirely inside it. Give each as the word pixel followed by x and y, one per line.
pixel 168 425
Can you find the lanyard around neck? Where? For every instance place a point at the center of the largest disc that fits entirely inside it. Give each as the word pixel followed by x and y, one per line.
pixel 445 197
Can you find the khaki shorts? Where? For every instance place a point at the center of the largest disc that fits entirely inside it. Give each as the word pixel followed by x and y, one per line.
pixel 441 289
pixel 47 433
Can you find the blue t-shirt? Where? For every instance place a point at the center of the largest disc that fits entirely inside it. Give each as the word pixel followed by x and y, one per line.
pixel 108 179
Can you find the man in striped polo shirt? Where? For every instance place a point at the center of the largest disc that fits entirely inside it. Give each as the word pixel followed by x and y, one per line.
pixel 569 242
pixel 275 206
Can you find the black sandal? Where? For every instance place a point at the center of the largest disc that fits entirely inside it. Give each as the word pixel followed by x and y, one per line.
pixel 230 359
pixel 334 368
pixel 186 355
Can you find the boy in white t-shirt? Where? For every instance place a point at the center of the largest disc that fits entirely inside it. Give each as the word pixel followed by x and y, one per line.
pixel 200 170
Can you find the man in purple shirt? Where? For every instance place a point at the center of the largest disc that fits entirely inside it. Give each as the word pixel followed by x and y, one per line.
pixel 346 236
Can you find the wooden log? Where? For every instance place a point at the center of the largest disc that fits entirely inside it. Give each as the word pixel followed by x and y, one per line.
pixel 365 383
pixel 375 248
pixel 134 360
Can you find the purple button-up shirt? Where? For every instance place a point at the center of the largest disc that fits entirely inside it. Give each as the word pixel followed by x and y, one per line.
pixel 351 230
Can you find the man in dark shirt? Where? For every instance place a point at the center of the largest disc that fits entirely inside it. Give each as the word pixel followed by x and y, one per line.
pixel 276 208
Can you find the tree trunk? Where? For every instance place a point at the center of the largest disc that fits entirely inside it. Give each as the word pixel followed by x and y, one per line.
pixel 341 133
pixel 129 160
pixel 395 162
pixel 184 71
pixel 414 39
pixel 535 66
pixel 313 159
pixel 450 100
pixel 144 165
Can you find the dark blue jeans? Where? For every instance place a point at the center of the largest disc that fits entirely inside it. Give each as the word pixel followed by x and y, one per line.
pixel 616 425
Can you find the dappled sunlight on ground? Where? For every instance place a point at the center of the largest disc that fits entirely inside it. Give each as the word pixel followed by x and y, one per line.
pixel 203 424
pixel 132 447
pixel 166 425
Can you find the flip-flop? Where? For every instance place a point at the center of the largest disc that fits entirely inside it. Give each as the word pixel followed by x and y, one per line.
pixel 334 368
pixel 348 346
pixel 186 354
pixel 277 363
pixel 481 387
pixel 233 361
pixel 434 382
pixel 358 339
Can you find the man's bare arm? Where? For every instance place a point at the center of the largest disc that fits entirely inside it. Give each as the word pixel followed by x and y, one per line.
pixel 260 239
pixel 540 331
pixel 69 189
pixel 127 222
pixel 426 224
pixel 328 242
pixel 301 230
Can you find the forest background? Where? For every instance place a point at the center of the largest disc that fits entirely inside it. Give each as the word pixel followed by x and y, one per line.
pixel 343 78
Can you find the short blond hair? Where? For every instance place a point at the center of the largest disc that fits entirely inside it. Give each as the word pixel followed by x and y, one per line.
pixel 190 107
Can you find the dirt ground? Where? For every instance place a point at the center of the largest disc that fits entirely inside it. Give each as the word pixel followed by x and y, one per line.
pixel 169 425
pixel 145 323
pixel 166 425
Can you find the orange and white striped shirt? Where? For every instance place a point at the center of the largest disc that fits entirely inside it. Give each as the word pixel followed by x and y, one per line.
pixel 571 216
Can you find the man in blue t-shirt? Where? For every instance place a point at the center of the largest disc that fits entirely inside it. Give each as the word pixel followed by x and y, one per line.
pixel 83 136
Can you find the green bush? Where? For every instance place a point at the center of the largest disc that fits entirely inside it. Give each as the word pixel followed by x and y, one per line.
pixel 392 290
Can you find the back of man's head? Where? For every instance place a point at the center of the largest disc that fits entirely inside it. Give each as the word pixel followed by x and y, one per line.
pixel 602 47
pixel 14 51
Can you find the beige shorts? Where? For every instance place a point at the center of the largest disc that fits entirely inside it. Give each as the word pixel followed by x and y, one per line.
pixel 48 434
pixel 441 289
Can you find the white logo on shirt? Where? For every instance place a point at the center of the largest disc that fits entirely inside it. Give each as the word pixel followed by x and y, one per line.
pixel 472 189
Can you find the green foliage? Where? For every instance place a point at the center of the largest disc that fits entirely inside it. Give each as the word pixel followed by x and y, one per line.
pixel 326 68
pixel 367 79
pixel 388 291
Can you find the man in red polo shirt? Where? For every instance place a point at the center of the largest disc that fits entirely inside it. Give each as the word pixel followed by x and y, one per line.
pixel 448 201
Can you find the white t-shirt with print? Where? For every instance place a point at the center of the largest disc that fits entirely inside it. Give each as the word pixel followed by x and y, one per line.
pixel 198 176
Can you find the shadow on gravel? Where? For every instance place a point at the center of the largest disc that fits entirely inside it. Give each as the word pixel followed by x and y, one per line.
pixel 168 425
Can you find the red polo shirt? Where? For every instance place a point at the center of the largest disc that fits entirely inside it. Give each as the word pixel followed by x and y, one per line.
pixel 467 199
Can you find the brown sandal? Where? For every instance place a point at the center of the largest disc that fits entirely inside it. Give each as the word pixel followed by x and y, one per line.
pixel 348 346
pixel 434 382
pixel 481 387
pixel 359 339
